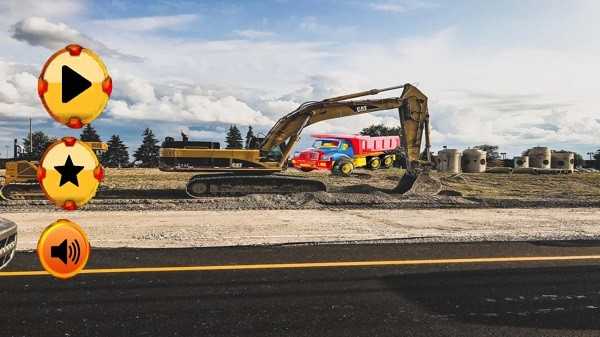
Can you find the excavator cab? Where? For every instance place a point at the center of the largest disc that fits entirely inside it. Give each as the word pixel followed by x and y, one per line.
pixel 255 142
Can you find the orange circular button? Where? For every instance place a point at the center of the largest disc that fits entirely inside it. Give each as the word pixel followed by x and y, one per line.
pixel 63 249
pixel 74 86
pixel 69 173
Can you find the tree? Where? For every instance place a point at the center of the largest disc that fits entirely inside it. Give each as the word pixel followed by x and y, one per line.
pixel 249 136
pixel 579 161
pixel 147 153
pixel 597 159
pixel 491 151
pixel 40 143
pixel 234 138
pixel 89 134
pixel 377 130
pixel 116 155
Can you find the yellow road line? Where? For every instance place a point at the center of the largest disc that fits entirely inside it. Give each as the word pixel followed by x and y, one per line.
pixel 309 265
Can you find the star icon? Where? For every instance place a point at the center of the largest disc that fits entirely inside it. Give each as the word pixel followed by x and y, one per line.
pixel 68 172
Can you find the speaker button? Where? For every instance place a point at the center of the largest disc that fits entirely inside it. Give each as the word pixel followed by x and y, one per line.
pixel 63 249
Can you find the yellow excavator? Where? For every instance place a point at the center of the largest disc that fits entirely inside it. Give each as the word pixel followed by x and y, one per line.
pixel 254 170
pixel 20 177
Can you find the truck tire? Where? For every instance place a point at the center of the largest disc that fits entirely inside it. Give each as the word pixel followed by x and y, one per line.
pixel 374 163
pixel 343 167
pixel 388 161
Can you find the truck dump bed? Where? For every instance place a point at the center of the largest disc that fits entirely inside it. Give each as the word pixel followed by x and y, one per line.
pixel 366 144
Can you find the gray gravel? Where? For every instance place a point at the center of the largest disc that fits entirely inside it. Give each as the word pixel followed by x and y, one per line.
pixel 320 200
pixel 204 228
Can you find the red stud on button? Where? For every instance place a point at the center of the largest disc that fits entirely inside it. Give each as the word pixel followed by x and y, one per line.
pixel 107 85
pixel 69 205
pixel 99 173
pixel 69 141
pixel 41 174
pixel 42 86
pixel 74 49
pixel 74 123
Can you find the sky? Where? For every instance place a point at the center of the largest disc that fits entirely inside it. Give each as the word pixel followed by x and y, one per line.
pixel 515 74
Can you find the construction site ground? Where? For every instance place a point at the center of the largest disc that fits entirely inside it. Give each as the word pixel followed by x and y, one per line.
pixel 148 208
pixel 151 189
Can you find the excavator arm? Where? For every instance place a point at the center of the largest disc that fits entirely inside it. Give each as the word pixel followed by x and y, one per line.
pixel 411 105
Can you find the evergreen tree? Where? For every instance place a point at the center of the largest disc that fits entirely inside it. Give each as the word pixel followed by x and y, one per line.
pixel 491 151
pixel 377 130
pixel 41 141
pixel 249 136
pixel 147 153
pixel 89 134
pixel 234 138
pixel 116 155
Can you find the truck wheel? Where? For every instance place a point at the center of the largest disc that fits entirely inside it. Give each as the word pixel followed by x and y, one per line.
pixel 374 163
pixel 344 167
pixel 388 161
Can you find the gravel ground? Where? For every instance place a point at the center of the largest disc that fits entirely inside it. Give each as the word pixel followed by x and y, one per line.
pixel 298 201
pixel 259 227
pixel 150 189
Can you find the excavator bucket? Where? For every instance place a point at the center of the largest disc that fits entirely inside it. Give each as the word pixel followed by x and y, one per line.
pixel 414 119
pixel 419 181
pixel 419 184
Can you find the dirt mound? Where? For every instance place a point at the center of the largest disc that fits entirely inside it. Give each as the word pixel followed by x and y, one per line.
pixel 420 184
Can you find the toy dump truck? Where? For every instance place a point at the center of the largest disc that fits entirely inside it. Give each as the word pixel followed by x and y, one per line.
pixel 341 154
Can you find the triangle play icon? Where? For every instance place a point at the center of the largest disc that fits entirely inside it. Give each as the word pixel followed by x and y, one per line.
pixel 73 84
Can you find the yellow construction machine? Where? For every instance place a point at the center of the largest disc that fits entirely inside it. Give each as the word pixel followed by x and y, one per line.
pixel 245 171
pixel 20 177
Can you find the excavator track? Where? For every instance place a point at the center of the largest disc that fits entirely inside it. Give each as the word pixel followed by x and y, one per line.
pixel 234 185
pixel 21 191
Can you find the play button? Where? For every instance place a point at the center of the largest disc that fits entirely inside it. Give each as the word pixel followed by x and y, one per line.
pixel 73 84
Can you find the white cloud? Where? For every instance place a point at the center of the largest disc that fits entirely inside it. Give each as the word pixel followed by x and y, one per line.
pixel 38 31
pixel 148 23
pixel 310 23
pixel 136 99
pixel 253 34
pixel 401 6
pixel 274 67
pixel 18 98
pixel 54 8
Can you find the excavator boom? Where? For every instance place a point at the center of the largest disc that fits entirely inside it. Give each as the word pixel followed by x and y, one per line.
pixel 412 107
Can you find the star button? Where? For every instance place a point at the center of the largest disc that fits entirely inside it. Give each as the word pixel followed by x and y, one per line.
pixel 68 172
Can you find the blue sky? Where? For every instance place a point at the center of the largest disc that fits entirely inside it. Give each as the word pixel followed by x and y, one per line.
pixel 512 73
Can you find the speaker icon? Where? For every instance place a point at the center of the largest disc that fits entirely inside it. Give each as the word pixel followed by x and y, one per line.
pixel 63 249
pixel 67 251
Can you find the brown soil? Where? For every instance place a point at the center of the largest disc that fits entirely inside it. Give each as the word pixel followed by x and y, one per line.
pixel 151 189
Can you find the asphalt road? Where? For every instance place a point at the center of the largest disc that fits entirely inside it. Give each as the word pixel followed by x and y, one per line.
pixel 526 298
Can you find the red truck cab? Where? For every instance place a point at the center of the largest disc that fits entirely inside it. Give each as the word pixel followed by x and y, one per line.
pixel 341 154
